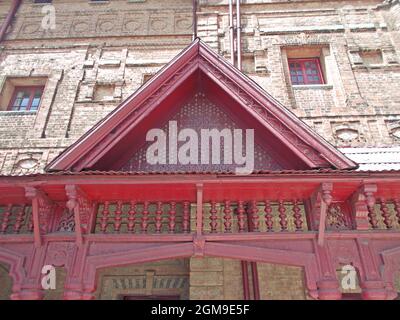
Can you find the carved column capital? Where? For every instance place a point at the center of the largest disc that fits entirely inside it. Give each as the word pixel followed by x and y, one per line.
pixel 323 194
pixel 362 202
pixel 42 208
pixel 79 203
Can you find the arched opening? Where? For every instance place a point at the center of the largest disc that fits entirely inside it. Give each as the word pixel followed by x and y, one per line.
pixel 6 282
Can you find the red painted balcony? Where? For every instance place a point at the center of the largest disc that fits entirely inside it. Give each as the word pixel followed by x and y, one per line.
pixel 226 206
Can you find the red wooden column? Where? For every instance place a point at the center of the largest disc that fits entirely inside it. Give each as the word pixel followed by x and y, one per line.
pixel 74 288
pixel 320 201
pixel 198 238
pixel 83 209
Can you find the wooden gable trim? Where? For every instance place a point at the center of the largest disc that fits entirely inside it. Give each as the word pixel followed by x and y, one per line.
pixel 312 149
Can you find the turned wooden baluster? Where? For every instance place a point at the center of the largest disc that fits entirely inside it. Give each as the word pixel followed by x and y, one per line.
pixel 213 217
pixel 241 216
pixel 172 217
pixel 186 217
pixel 397 208
pixel 370 201
pixel 255 223
pixel 282 215
pixel 159 212
pixel 6 219
pixel 268 216
pixel 386 214
pixel 227 216
pixel 104 218
pixel 118 217
pixel 30 221
pixel 132 216
pixel 297 216
pixel 20 219
pixel 145 217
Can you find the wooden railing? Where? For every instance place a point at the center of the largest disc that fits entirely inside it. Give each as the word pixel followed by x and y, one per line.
pixel 228 216
pixel 16 219
pixel 385 214
pixel 146 217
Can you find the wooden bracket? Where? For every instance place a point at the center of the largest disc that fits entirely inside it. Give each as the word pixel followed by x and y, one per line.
pixel 199 243
pixel 41 209
pixel 320 202
pixel 361 201
pixel 81 206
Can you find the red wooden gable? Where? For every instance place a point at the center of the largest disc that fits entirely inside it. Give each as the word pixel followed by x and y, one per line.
pixel 199 87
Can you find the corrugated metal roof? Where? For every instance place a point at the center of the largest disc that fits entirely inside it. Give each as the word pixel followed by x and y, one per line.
pixel 374 159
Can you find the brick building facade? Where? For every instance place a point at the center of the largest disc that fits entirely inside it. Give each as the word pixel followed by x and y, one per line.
pixel 101 52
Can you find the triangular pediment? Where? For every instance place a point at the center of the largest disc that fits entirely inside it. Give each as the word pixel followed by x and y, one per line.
pixel 199 90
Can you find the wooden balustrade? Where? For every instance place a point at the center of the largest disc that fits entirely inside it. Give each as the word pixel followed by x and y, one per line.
pixel 254 216
pixel 385 214
pixel 143 217
pixel 16 219
pixel 228 216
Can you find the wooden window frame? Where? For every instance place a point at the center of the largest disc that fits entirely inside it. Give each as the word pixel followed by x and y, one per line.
pixel 32 90
pixel 302 62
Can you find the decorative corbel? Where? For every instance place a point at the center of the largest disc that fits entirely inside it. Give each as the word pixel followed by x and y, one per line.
pixel 81 206
pixel 320 202
pixel 362 203
pixel 42 206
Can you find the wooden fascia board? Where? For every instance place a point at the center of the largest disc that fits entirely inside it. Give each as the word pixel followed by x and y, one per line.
pixel 352 176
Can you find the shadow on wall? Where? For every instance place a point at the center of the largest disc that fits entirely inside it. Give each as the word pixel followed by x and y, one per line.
pixel 5 283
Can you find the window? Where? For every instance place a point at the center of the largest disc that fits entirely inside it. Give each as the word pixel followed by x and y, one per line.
pixel 26 99
pixel 305 71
